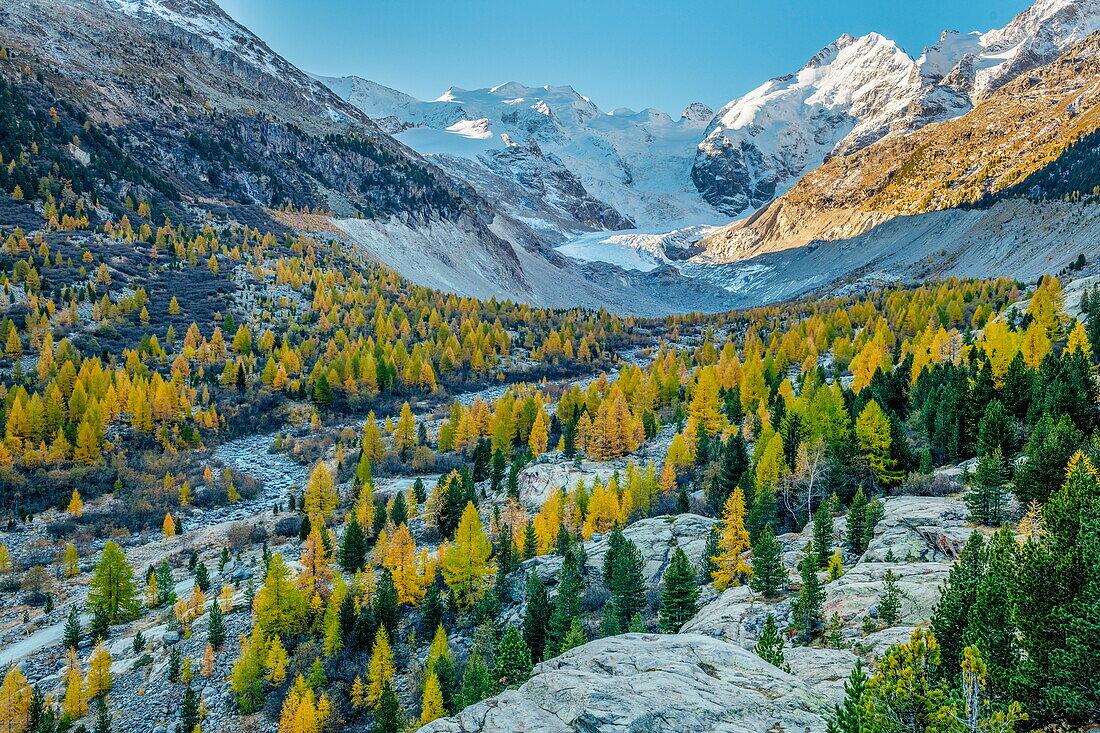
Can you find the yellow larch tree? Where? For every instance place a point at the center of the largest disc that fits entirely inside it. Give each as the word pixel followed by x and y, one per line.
pixel 603 510
pixel 299 713
pixel 275 661
pixel 15 702
pixel 548 522
pixel 381 666
pixel 679 453
pixel 320 495
pixel 540 433
pixel 279 605
pixel 70 561
pixel 404 433
pixel 358 694
pixel 1036 345
pixel 431 707
pixel 316 561
pixel 439 648
pixel 772 464
pixel 76 504
pixel 1078 341
pixel 733 540
pixel 99 671
pixel 208 660
pixel 705 407
pixel 401 559
pixel 75 701
pixel 667 479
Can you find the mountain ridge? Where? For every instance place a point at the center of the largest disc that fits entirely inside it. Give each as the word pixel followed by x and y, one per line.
pixel 632 165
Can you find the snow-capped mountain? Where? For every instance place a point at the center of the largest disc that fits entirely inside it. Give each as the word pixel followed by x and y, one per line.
pixel 859 90
pixel 758 145
pixel 503 172
pixel 559 162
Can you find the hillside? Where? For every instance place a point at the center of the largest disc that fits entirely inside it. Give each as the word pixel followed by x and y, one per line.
pixel 231 130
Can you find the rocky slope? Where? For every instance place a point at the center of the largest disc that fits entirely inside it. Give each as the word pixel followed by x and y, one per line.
pixel 1020 130
pixel 1021 238
pixel 707 678
pixel 650 682
pixel 198 97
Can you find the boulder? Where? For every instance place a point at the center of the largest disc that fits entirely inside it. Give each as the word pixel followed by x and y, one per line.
pixel 733 616
pixel 880 641
pixel 639 683
pixel 658 539
pixel 552 471
pixel 540 479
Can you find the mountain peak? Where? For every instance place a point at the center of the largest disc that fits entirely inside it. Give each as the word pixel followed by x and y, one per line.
pixel 697 112
pixel 512 89
pixel 860 45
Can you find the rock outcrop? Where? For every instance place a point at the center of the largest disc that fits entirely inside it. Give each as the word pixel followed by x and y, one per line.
pixel 856 594
pixel 920 528
pixel 657 538
pixel 649 682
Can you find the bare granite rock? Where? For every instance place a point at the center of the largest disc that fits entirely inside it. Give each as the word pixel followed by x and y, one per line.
pixel 645 683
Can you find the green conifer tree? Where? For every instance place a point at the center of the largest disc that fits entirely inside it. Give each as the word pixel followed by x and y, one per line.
pixel 514 658
pixel 536 616
pixel 808 606
pixel 988 495
pixel 823 534
pixel 889 606
pixel 611 623
pixel 566 601
pixel 769 646
pixel 112 590
pixel 353 547
pixel 73 632
pixel 680 594
pixel 476 682
pixel 575 636
pixel 389 716
pixel 857 523
pixel 951 615
pixel 216 626
pixel 846 718
pixel 769 574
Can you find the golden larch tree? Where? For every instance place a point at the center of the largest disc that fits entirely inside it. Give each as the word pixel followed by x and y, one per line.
pixel 733 540
pixel 320 496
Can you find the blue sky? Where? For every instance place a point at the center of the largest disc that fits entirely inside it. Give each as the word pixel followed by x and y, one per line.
pixel 620 54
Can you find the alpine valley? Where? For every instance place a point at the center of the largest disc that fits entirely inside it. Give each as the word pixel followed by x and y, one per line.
pixel 325 408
